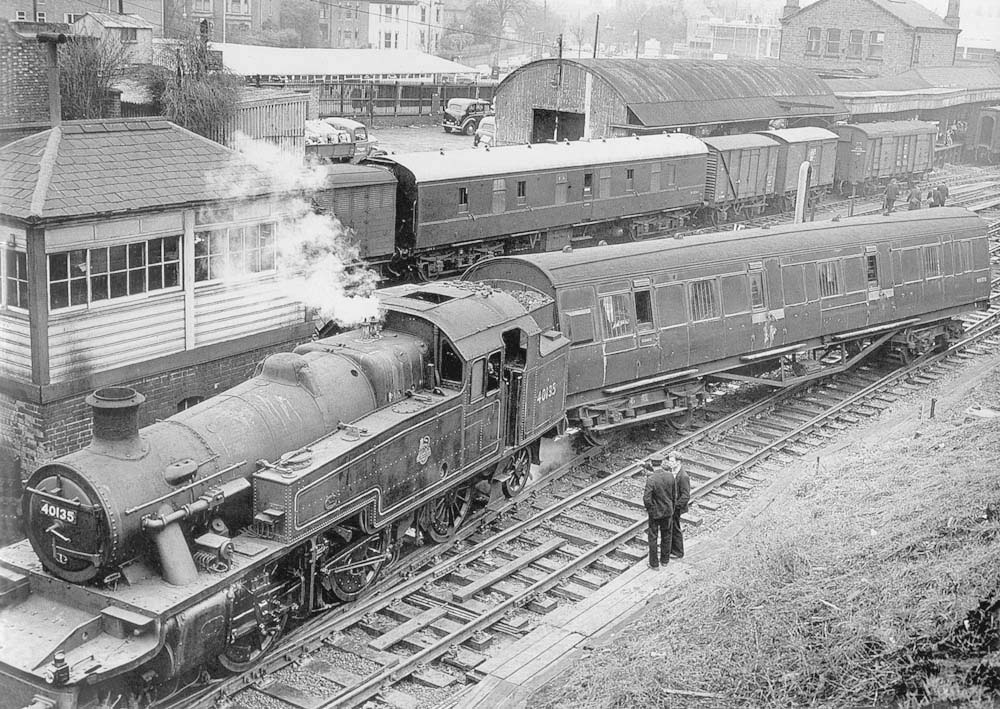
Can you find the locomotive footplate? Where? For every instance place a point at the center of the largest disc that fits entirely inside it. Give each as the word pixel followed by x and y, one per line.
pixel 123 624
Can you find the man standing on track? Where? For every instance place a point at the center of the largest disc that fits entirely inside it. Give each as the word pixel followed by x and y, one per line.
pixel 682 497
pixel 891 193
pixel 658 498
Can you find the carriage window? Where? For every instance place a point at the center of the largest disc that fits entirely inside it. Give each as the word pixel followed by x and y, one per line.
pixel 522 191
pixel 911 265
pixel 872 267
pixel 463 199
pixel 829 283
pixel 644 309
pixel 704 300
pixel 588 184
pixel 757 290
pixel 932 261
pixel 493 373
pixel 670 174
pixel 450 364
pixel 793 285
pixel 478 387
pixel 630 179
pixel 616 315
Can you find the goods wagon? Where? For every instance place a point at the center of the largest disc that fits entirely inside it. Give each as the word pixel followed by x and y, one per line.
pixel 869 154
pixel 987 134
pixel 364 200
pixel 817 145
pixel 739 175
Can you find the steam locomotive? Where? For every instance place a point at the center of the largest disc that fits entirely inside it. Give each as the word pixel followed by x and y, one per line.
pixel 453 208
pixel 193 542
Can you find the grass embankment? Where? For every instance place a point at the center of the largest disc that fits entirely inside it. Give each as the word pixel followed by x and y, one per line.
pixel 855 582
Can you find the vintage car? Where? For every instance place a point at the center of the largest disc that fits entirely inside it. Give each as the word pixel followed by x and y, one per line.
pixel 486 133
pixel 365 143
pixel 463 115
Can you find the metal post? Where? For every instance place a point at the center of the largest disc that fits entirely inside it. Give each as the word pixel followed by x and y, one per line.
pixel 597 29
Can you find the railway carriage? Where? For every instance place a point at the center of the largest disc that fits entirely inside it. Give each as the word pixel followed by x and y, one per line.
pixel 870 154
pixel 649 321
pixel 454 208
pixel 364 200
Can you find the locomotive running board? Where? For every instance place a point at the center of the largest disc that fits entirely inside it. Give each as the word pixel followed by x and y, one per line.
pixel 819 373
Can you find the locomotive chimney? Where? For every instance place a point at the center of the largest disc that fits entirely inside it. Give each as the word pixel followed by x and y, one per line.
pixel 116 413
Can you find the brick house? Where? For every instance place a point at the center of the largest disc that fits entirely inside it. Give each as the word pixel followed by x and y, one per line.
pixel 867 37
pixel 135 33
pixel 127 258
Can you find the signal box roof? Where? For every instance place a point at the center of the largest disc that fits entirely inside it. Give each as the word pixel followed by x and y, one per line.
pixel 463 164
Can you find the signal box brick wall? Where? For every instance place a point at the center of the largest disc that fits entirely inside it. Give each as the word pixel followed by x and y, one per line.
pixel 31 433
pixel 937 47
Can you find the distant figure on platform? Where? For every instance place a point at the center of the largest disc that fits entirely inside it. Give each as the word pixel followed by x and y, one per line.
pixel 682 498
pixel 934 197
pixel 913 199
pixel 658 498
pixel 891 193
pixel 942 191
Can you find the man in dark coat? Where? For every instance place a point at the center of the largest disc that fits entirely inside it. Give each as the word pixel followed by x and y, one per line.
pixel 658 498
pixel 942 191
pixel 682 498
pixel 913 199
pixel 891 193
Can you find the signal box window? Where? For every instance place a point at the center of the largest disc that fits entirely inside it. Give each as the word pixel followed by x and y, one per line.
pixel 463 199
pixel 872 268
pixel 450 366
pixel 616 316
pixel 757 290
pixel 588 184
pixel 704 300
pixel 644 309
pixel 829 283
pixel 16 278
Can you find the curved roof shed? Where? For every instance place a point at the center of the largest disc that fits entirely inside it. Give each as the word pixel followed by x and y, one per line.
pixel 574 98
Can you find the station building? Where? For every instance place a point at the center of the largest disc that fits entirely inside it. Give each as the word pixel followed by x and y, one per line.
pixel 557 99
pixel 134 253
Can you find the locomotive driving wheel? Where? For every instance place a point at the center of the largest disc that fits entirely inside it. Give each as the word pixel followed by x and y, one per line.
pixel 358 569
pixel 518 471
pixel 241 654
pixel 443 515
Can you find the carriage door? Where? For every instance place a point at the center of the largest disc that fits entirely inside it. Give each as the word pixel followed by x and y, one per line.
pixel 562 188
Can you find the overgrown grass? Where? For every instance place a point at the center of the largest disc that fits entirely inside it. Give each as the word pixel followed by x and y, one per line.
pixel 825 599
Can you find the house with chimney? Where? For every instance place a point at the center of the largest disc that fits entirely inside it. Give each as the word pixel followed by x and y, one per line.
pixel 866 38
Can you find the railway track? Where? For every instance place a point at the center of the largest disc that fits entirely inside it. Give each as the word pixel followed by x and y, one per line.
pixel 423 632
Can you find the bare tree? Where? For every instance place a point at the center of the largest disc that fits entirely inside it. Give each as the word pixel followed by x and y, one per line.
pixel 88 67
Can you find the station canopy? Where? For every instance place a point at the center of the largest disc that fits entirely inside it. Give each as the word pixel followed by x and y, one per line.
pixel 924 88
pixel 309 64
pixel 678 92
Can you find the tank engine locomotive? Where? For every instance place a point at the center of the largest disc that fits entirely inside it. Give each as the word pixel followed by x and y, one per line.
pixel 193 541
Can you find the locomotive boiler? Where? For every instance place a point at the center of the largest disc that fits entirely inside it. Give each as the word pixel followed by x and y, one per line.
pixel 192 542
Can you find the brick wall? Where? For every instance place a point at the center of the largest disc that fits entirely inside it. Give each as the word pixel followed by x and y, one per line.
pixel 31 434
pixel 24 93
pixel 936 47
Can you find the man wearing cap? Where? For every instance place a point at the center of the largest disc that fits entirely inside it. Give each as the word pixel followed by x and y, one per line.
pixel 682 497
pixel 658 498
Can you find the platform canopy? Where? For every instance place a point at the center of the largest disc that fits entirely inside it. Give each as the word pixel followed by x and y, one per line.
pixel 920 89
pixel 300 64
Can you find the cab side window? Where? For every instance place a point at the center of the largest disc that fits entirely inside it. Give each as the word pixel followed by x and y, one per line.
pixel 493 372
pixel 450 365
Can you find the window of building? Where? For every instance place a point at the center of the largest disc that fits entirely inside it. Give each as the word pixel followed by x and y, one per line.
pixel 437 15
pixel 423 14
pixel 813 39
pixel 233 252
pixel 522 191
pixel 21 15
pixel 129 35
pixel 829 281
pixel 202 5
pixel 71 17
pixel 387 41
pixel 876 44
pixel 704 297
pixel 39 17
pixel 916 49
pixel 644 309
pixel 932 261
pixel 322 13
pixel 387 10
pixel 757 290
pixel 396 40
pixel 187 403
pixel 855 44
pixel 630 179
pixel 423 38
pixel 463 199
pixel 616 316
pixel 84 276
pixel 833 41
pixel 15 276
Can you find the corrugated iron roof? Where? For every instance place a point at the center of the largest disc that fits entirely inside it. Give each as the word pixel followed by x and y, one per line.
pixel 804 134
pixel 465 163
pixel 625 260
pixel 251 60
pixel 874 130
pixel 111 166
pixel 678 92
